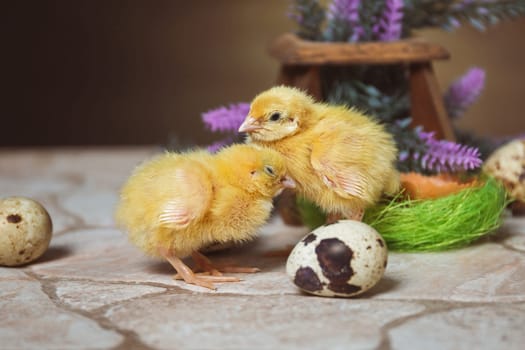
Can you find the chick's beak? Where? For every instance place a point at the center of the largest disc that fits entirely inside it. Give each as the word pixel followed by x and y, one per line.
pixel 249 125
pixel 288 182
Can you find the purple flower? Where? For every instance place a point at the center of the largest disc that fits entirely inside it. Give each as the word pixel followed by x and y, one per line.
pixel 344 9
pixel 447 156
pixel 295 17
pixel 464 92
pixel 390 25
pixel 462 5
pixel 403 155
pixel 226 118
pixel 344 13
pixel 483 11
pixel 454 23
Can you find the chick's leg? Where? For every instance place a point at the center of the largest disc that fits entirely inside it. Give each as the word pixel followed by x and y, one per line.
pixel 187 274
pixel 332 218
pixel 356 214
pixel 353 214
pixel 206 265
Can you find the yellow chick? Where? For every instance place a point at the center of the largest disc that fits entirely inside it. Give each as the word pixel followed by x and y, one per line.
pixel 178 203
pixel 340 159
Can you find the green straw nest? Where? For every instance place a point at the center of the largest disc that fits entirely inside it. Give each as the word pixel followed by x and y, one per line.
pixel 449 222
pixel 445 223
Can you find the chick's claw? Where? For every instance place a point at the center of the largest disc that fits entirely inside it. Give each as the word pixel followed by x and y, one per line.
pixel 203 279
pixel 353 214
pixel 196 280
pixel 205 264
pixel 356 214
pixel 239 269
pixel 332 218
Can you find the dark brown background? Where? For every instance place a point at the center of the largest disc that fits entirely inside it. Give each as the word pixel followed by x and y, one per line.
pixel 142 72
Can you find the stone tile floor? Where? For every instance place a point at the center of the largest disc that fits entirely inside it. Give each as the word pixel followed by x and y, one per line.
pixel 94 290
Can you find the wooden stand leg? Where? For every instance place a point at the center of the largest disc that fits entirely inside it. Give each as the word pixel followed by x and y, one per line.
pixel 286 205
pixel 427 107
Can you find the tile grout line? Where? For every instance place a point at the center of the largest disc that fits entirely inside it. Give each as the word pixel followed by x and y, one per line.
pixel 385 329
pixel 130 338
pixel 513 249
pixel 171 288
pixel 54 279
pixel 431 307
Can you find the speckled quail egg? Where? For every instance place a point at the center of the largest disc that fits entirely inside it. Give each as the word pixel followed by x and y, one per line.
pixel 25 230
pixel 507 164
pixel 342 259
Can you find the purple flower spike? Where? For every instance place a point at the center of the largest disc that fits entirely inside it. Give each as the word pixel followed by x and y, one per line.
pixel 344 11
pixel 462 5
pixel 226 118
pixel 464 92
pixel 390 25
pixel 447 156
pixel 454 23
pixel 483 11
pixel 403 155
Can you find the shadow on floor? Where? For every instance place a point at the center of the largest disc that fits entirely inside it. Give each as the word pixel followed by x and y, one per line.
pixel 55 253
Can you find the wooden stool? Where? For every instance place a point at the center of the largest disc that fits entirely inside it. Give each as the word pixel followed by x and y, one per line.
pixel 301 61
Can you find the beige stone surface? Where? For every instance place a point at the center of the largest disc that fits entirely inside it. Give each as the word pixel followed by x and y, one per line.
pixel 90 295
pixel 32 319
pixel 465 327
pixel 93 289
pixel 484 272
pixel 259 322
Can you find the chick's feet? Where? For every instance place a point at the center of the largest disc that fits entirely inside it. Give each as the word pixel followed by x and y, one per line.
pixel 186 274
pixel 356 214
pixel 204 264
pixel 332 218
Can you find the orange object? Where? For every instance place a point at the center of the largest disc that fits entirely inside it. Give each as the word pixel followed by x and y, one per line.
pixel 418 186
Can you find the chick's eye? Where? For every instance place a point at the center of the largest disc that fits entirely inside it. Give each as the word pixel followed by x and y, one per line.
pixel 275 116
pixel 269 170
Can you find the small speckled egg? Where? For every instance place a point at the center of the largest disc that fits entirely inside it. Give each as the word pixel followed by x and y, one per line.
pixel 507 164
pixel 342 259
pixel 25 231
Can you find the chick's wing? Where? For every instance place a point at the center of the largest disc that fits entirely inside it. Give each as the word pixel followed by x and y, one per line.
pixel 188 197
pixel 338 161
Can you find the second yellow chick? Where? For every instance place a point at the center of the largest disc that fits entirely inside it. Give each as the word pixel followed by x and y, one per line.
pixel 177 203
pixel 340 159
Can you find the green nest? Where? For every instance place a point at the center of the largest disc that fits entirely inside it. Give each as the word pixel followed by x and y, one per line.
pixel 435 224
